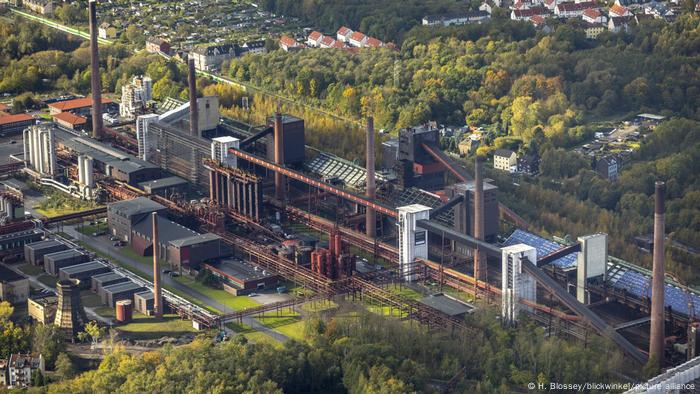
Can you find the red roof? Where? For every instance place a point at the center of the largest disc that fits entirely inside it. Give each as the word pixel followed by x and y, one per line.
pixel 76 103
pixel 339 44
pixel 328 41
pixel 4 107
pixel 571 7
pixel 315 35
pixel 530 12
pixel 344 31
pixel 288 41
pixel 537 20
pixel 592 13
pixel 357 36
pixel 618 10
pixel 7 119
pixel 373 42
pixel 70 118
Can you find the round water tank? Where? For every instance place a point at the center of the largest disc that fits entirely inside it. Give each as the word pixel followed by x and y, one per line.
pixel 124 311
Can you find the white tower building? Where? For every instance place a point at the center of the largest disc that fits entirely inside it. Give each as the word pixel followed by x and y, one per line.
pixel 517 284
pixel 413 241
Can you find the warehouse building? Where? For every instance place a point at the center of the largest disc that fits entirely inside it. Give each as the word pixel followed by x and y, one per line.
pixel 165 186
pixel 143 302
pixel 14 242
pixel 240 277
pixel 53 262
pixel 14 124
pixel 43 308
pixel 34 252
pixel 14 288
pixel 123 215
pixel 83 272
pixel 447 305
pixel 120 291
pixel 107 279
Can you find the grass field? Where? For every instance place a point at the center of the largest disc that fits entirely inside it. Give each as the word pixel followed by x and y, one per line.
pixel 30 270
pixel 236 303
pixel 146 327
pixel 90 229
pixel 286 322
pixel 318 306
pixel 404 291
pixel 105 311
pixel 252 335
pixel 90 299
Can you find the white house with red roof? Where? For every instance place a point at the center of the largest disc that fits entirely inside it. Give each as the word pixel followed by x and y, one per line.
pixel 550 4
pixel 289 44
pixel 357 39
pixel 526 14
pixel 593 15
pixel 327 42
pixel 571 10
pixel 373 43
pixel 314 39
pixel 343 34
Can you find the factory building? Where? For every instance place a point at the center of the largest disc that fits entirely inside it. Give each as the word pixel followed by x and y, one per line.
pixel 53 262
pixel 464 212
pixel 81 106
pixel 165 187
pixel 99 281
pixel 42 308
pixel 143 302
pixel 135 97
pixel 83 272
pixel 123 215
pixel 448 305
pixel 414 166
pixel 34 252
pixel 40 149
pixel 14 124
pixel 120 291
pixel 240 277
pixel 294 141
pixel 14 287
pixel 13 244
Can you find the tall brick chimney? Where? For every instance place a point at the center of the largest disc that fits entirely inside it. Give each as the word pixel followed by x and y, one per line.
pixel 194 110
pixel 480 265
pixel 95 82
pixel 370 216
pixel 657 336
pixel 157 291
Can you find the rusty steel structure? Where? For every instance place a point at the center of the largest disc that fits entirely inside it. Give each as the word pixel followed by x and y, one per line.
pixel 11 168
pixel 237 189
pixel 95 82
pixel 157 290
pixel 657 335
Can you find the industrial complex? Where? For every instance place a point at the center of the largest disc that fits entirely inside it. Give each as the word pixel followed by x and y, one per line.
pixel 196 192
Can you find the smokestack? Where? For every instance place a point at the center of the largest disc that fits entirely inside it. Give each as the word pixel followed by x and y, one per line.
pixel 370 216
pixel 157 291
pixel 95 73
pixel 657 336
pixel 194 111
pixel 279 156
pixel 479 257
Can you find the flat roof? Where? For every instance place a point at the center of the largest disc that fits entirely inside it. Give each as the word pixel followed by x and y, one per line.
pixel 108 276
pixel 89 266
pixel 16 184
pixel 146 295
pixel 19 234
pixel 135 206
pixel 64 254
pixel 446 304
pixel 651 116
pixel 121 287
pixel 163 182
pixel 7 275
pixel 242 270
pixel 47 243
pixel 193 240
pixel 68 105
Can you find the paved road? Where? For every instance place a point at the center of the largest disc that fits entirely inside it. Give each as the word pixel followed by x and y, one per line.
pixel 58 26
pixel 37 284
pixel 103 245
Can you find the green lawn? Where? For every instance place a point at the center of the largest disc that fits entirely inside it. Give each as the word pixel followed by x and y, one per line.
pixel 105 311
pixel 90 299
pixel 286 322
pixel 318 306
pixel 235 303
pixel 30 270
pixel 48 280
pixel 404 291
pixel 90 229
pixel 252 335
pixel 147 327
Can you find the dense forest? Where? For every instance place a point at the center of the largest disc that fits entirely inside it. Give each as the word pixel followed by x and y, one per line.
pixel 359 353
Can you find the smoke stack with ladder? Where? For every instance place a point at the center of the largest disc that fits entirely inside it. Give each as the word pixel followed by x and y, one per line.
pixel 95 82
pixel 194 110
pixel 479 257
pixel 371 216
pixel 157 291
pixel 657 336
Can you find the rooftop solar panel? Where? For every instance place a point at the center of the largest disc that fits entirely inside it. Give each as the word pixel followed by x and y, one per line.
pixel 639 285
pixel 543 247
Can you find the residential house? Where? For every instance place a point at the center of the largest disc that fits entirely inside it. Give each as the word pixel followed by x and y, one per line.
pixel 505 160
pixel 70 121
pixel 373 43
pixel 357 39
pixel 487 6
pixel 618 11
pixel 593 30
pixel 455 19
pixel 107 31
pixel 155 45
pixel 329 42
pixel 521 5
pixel 608 167
pixel 343 34
pixel 573 10
pixel 314 39
pixel 593 15
pixel 43 7
pixel 469 145
pixel 619 23
pixel 254 47
pixel 209 58
pixel 525 14
pixel 550 4
pixel 539 22
pixel 20 368
pixel 289 44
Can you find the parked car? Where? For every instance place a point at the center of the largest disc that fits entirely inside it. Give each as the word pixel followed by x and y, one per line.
pixel 165 271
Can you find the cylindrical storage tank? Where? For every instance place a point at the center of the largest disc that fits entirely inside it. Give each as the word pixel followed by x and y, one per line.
pixel 303 255
pixel 125 311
